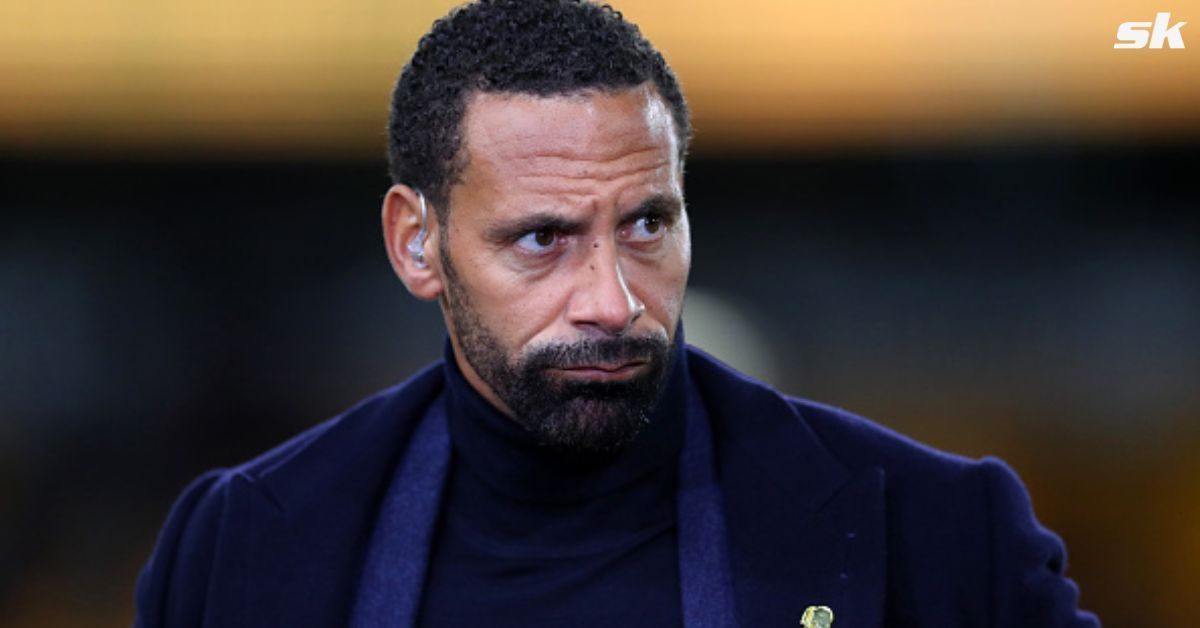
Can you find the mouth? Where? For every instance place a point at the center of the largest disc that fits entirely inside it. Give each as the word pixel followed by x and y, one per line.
pixel 603 372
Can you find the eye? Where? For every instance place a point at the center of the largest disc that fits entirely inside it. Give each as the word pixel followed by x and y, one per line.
pixel 646 228
pixel 538 240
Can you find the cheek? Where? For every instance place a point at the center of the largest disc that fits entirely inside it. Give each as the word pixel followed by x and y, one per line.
pixel 673 297
pixel 524 312
pixel 685 244
pixel 661 287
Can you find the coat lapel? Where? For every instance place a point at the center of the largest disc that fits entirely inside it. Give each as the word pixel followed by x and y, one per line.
pixel 389 593
pixel 803 529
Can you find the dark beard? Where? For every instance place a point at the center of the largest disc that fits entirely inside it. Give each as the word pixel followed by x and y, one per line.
pixel 577 417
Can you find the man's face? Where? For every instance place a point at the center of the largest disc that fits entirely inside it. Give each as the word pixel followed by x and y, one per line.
pixel 566 255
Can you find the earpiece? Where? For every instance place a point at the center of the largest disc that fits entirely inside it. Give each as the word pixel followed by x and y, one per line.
pixel 416 246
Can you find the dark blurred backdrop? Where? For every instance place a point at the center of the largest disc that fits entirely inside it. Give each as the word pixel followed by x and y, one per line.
pixel 1036 303
pixel 993 268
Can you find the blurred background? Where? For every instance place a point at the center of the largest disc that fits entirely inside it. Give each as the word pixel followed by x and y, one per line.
pixel 976 223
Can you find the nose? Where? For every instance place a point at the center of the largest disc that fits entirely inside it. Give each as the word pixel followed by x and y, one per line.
pixel 602 299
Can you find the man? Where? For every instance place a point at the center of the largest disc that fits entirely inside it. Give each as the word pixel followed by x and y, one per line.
pixel 572 462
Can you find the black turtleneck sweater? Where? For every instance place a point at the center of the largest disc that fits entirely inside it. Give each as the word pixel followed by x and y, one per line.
pixel 527 537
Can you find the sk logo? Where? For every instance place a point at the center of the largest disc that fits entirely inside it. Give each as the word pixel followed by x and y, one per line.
pixel 1138 34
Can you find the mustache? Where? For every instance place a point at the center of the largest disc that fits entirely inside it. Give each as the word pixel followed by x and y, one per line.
pixel 597 351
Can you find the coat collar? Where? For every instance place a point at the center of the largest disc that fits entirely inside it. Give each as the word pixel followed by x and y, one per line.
pixel 348 459
pixel 297 521
pixel 758 426
pixel 803 529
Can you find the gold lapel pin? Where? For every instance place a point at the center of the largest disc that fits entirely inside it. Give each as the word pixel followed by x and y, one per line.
pixel 817 617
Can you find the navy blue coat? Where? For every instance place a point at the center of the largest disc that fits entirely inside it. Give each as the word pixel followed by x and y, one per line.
pixel 821 507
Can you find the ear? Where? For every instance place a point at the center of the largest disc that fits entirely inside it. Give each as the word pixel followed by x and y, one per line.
pixel 401 224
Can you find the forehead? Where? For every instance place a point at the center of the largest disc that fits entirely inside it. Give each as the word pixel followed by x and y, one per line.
pixel 588 134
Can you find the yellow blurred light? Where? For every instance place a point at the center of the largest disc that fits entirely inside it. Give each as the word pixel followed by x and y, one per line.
pixel 280 77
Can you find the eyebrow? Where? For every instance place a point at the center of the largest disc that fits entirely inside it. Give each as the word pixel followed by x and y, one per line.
pixel 511 230
pixel 669 206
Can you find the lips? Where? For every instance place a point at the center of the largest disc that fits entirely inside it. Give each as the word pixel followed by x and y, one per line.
pixel 610 368
pixel 603 371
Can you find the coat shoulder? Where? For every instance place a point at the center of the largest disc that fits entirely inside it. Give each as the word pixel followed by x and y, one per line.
pixel 861 442
pixel 855 441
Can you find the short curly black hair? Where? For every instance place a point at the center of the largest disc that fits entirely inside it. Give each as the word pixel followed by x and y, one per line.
pixel 540 47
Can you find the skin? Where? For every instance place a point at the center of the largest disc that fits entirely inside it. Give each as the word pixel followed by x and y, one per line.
pixel 568 224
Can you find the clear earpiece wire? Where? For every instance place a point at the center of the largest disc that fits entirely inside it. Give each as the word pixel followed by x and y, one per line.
pixel 416 246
